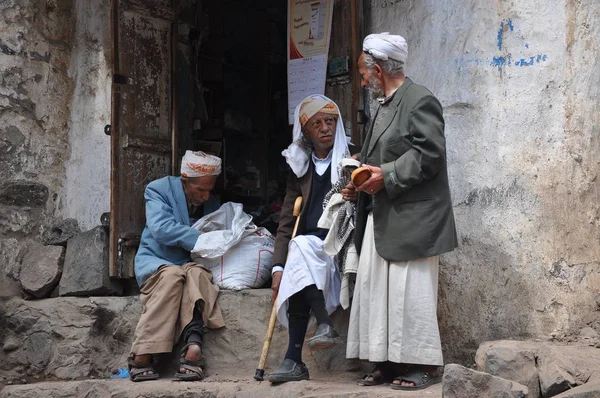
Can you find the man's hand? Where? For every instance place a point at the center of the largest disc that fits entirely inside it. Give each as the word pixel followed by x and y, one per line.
pixel 276 282
pixel 373 184
pixel 349 193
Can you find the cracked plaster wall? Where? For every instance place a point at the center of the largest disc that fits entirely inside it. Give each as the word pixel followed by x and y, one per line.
pixel 519 82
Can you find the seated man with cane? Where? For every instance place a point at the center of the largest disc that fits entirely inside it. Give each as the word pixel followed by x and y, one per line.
pixel 305 278
pixel 177 295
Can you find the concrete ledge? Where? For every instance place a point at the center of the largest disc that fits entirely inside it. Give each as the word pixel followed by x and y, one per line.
pixel 72 338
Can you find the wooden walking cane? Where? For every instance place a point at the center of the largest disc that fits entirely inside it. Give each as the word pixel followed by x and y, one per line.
pixel 260 371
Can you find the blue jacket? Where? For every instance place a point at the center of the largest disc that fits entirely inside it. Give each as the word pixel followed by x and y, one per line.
pixel 168 237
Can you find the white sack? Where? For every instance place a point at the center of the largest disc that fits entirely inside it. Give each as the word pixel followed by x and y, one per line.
pixel 238 253
pixel 247 264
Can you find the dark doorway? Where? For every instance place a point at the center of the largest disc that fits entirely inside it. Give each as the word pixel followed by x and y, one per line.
pixel 232 97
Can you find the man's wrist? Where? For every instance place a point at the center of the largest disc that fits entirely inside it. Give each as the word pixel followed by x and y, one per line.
pixel 277 268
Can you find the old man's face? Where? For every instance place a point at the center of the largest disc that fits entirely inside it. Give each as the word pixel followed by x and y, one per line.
pixel 370 78
pixel 320 131
pixel 197 189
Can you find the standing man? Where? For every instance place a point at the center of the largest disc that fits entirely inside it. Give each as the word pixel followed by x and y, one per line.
pixel 177 295
pixel 305 278
pixel 404 222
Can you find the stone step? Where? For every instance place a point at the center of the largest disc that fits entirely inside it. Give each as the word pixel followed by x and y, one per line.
pixel 341 385
pixel 72 338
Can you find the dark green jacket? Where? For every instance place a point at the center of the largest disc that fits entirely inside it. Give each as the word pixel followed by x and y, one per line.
pixel 413 215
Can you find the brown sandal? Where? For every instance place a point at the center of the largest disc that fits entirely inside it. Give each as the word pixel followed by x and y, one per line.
pixel 137 374
pixel 196 367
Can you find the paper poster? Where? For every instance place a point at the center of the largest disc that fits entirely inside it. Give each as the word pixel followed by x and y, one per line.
pixel 309 30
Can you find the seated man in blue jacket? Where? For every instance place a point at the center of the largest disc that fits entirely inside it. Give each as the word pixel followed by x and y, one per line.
pixel 177 295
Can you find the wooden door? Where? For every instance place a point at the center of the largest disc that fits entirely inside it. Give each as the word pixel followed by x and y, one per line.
pixel 142 125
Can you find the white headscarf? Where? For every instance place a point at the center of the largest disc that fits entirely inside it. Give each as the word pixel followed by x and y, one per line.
pixel 298 154
pixel 384 46
pixel 200 164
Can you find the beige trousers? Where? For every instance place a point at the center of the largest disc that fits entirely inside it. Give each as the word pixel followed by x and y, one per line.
pixel 168 298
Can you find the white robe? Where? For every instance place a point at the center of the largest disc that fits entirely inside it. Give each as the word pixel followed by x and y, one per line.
pixel 308 264
pixel 393 315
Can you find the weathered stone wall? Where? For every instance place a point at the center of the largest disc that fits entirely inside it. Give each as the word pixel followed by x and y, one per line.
pixel 54 103
pixel 519 82
pixel 35 91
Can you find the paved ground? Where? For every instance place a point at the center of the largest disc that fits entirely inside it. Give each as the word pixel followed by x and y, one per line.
pixel 338 385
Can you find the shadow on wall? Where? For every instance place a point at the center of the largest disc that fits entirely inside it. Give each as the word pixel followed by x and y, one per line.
pixel 480 298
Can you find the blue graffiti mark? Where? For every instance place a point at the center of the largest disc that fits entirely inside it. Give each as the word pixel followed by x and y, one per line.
pixel 509 26
pixel 500 33
pixel 536 59
pixel 501 61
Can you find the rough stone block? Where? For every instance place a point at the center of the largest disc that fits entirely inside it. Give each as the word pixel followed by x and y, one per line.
pixel 511 360
pixel 60 231
pixel 588 390
pixel 66 337
pixel 41 269
pixel 23 193
pixel 461 382
pixel 588 332
pixel 85 272
pixel 557 373
pixel 558 366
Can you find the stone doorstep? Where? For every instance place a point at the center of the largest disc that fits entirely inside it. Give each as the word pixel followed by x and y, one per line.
pixel 75 338
pixel 338 385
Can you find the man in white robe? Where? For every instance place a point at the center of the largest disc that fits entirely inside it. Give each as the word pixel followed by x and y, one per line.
pixel 305 278
pixel 404 221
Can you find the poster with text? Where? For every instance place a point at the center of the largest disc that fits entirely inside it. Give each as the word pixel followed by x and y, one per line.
pixel 309 30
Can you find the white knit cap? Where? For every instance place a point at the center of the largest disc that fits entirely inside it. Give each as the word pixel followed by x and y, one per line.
pixel 384 46
pixel 200 164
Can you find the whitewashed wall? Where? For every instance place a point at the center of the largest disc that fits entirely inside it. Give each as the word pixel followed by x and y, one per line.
pixel 86 192
pixel 520 82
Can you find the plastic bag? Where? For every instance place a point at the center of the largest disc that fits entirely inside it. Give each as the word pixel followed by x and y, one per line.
pixel 221 230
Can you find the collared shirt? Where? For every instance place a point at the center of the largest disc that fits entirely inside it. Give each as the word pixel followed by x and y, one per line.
pixel 321 165
pixel 386 100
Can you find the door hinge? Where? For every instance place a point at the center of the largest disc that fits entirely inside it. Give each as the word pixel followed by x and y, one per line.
pixel 126 242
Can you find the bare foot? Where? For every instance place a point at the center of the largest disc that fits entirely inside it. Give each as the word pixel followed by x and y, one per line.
pixel 194 353
pixel 431 370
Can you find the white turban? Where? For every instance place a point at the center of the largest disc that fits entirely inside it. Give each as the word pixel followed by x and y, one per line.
pixel 298 154
pixel 200 164
pixel 384 46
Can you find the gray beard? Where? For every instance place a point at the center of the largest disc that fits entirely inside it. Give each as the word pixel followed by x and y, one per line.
pixel 375 88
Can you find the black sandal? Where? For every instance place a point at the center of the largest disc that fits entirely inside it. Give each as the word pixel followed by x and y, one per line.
pixel 137 374
pixel 419 377
pixel 379 377
pixel 196 367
